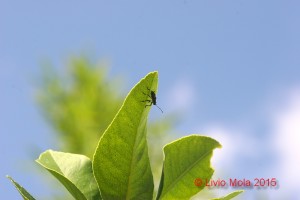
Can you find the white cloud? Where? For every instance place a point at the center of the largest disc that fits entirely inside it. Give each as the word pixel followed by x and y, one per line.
pixel 181 96
pixel 226 161
pixel 286 140
pixel 234 143
pixel 222 135
pixel 283 142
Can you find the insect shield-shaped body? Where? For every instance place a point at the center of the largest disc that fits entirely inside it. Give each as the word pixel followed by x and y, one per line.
pixel 153 99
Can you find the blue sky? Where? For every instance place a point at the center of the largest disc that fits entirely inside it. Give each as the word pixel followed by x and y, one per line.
pixel 231 66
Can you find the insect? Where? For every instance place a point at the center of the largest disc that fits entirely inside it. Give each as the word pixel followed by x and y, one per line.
pixel 153 99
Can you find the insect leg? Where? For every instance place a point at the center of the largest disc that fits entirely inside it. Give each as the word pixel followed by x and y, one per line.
pixel 149 104
pixel 147 100
pixel 147 94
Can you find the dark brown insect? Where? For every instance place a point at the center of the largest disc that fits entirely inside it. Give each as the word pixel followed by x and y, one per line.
pixel 153 99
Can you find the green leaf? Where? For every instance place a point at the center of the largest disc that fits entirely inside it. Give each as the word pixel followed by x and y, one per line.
pixel 230 196
pixel 185 160
pixel 73 171
pixel 121 163
pixel 22 191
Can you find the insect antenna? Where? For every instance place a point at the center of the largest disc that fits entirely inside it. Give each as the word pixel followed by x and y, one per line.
pixel 159 109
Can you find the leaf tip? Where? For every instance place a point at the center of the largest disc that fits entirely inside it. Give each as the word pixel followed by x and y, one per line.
pixel 154 73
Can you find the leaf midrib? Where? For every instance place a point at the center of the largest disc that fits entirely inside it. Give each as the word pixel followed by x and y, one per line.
pixel 183 174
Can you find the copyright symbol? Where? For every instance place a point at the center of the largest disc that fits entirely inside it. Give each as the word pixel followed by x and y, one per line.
pixel 198 182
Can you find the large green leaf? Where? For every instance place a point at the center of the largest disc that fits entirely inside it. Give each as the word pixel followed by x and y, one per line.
pixel 230 196
pixel 185 160
pixel 73 171
pixel 121 163
pixel 22 191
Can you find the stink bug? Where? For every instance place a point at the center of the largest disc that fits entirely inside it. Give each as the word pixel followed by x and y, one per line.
pixel 153 99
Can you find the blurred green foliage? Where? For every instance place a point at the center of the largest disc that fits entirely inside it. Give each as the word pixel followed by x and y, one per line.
pixel 80 103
